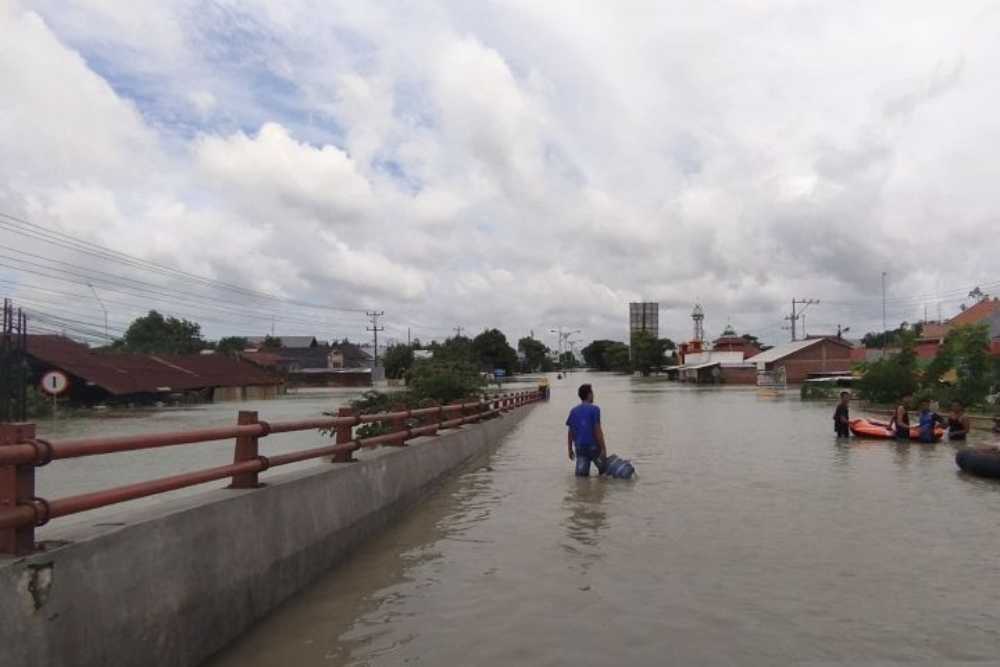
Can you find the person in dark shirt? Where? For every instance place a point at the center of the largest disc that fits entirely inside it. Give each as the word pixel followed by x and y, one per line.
pixel 996 424
pixel 585 439
pixel 842 416
pixel 900 422
pixel 958 422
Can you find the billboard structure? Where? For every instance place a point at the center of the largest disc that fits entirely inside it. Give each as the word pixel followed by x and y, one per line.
pixel 643 316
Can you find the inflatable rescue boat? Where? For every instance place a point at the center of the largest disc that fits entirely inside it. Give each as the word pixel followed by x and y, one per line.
pixel 870 428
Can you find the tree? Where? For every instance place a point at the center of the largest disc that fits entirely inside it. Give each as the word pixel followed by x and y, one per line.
pixel 458 348
pixel 595 355
pixel 966 351
pixel 231 345
pixel 892 337
pixel 536 354
pixel 886 380
pixel 271 344
pixel 750 339
pixel 492 350
pixel 618 357
pixel 567 360
pixel 155 334
pixel 648 352
pixel 443 381
pixel 397 360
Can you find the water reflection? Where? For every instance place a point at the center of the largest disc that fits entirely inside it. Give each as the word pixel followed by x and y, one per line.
pixel 586 520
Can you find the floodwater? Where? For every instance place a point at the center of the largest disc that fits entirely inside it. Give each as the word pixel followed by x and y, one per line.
pixel 752 537
pixel 73 476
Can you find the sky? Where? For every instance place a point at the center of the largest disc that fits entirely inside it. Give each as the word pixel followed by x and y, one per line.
pixel 523 165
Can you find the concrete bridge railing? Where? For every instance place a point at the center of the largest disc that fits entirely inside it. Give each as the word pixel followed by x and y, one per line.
pixel 22 454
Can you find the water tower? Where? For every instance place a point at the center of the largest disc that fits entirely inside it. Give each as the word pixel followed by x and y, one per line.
pixel 698 315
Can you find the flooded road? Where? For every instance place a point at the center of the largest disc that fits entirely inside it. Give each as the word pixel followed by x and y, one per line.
pixel 73 476
pixel 752 537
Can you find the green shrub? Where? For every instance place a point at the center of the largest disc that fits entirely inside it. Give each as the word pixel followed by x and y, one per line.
pixel 443 381
pixel 430 382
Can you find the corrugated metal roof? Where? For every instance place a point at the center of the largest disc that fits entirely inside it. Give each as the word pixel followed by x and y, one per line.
pixel 698 367
pixel 122 374
pixel 781 351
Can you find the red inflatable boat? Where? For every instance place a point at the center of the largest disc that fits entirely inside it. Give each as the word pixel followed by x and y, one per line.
pixel 870 428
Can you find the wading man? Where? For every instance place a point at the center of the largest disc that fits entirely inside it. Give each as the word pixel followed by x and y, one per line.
pixel 585 434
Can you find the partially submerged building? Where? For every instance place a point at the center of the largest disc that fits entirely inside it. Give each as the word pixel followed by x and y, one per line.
pixel 799 360
pixel 98 377
pixel 306 361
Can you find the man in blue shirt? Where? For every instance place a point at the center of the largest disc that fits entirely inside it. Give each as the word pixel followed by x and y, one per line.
pixel 585 432
pixel 928 420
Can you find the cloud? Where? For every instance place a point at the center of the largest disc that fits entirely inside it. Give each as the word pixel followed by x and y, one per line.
pixel 524 165
pixel 273 166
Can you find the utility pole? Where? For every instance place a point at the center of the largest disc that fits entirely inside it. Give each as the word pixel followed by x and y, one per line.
pixel 795 316
pixel 375 328
pixel 458 331
pixel 96 296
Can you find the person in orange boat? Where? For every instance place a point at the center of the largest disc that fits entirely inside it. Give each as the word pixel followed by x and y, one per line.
pixel 900 422
pixel 842 416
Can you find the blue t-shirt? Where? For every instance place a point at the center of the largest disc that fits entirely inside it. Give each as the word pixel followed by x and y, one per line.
pixel 927 420
pixel 582 421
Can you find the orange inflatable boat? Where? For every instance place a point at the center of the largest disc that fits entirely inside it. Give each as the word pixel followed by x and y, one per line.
pixel 870 428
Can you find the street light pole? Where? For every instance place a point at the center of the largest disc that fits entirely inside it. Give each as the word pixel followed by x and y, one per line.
pixel 884 326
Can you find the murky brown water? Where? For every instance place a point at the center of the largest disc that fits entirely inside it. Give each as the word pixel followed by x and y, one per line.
pixel 752 537
pixel 73 476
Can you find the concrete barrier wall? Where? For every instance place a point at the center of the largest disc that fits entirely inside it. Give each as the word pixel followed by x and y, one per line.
pixel 173 585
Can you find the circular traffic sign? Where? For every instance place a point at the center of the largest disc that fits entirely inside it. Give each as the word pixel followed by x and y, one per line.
pixel 55 383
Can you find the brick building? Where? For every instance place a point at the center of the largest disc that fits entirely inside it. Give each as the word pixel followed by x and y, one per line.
pixel 801 358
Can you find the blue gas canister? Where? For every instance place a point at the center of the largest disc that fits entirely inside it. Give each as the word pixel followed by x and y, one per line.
pixel 617 467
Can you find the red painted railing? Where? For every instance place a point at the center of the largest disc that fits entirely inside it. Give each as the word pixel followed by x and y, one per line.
pixel 21 453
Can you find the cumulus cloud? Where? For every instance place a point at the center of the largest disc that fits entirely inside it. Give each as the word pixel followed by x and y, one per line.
pixel 272 165
pixel 524 165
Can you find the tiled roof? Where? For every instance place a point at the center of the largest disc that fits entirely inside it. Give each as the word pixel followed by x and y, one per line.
pixel 122 374
pixel 976 313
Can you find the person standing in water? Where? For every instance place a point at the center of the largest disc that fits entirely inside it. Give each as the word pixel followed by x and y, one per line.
pixel 928 420
pixel 842 416
pixel 585 439
pixel 958 422
pixel 900 422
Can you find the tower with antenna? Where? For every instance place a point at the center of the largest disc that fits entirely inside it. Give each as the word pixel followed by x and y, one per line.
pixel 698 315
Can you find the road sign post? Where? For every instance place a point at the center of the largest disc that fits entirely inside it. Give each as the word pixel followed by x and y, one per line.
pixel 55 383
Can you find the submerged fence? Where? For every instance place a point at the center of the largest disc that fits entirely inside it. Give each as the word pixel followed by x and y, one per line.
pixel 21 454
